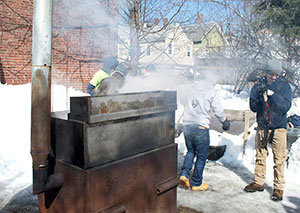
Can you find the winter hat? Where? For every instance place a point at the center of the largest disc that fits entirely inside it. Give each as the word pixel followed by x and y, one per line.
pixel 122 68
pixel 109 64
pixel 274 66
pixel 117 74
pixel 208 76
pixel 150 68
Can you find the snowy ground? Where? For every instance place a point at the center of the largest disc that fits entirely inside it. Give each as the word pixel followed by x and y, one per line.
pixel 226 177
pixel 226 193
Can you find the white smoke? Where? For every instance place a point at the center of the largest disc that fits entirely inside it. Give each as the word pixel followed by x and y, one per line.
pixel 84 13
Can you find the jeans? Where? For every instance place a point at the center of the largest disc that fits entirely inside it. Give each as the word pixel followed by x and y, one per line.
pixel 197 142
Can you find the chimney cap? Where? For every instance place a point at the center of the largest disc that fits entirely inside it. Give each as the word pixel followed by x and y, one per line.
pixel 200 18
pixel 166 21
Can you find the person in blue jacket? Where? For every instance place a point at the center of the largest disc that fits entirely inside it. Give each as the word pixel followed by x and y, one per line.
pixel 108 66
pixel 271 101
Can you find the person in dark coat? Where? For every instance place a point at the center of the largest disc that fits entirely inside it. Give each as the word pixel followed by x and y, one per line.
pixel 271 101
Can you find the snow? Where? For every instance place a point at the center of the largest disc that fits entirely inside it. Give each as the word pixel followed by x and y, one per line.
pixel 295 107
pixel 227 177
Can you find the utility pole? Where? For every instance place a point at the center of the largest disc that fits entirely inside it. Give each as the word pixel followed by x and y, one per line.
pixel 134 43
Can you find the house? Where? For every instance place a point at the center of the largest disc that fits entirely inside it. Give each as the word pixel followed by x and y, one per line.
pixel 175 46
pixel 170 48
pixel 206 37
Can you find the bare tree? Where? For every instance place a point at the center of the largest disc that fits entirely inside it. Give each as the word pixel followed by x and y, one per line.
pixel 250 42
pixel 142 17
pixel 82 31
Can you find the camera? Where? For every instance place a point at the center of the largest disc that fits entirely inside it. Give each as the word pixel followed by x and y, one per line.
pixel 261 85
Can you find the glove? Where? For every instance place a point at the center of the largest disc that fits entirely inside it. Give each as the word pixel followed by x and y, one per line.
pixel 178 130
pixel 226 125
pixel 265 97
pixel 270 92
pixel 90 89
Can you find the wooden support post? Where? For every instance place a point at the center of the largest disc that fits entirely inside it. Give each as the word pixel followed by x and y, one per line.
pixel 246 129
pixel 240 115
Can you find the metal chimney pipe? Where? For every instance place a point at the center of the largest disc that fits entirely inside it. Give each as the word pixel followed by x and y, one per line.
pixel 41 97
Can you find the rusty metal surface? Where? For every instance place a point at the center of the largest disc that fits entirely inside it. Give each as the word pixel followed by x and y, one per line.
pixel 120 159
pixel 118 208
pixel 167 185
pixel 88 145
pixel 129 184
pixel 94 109
pixel 40 125
pixel 40 114
pixel 67 141
pixel 41 94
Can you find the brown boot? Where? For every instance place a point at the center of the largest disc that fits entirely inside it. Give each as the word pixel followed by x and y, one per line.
pixel 184 181
pixel 253 187
pixel 202 187
pixel 277 195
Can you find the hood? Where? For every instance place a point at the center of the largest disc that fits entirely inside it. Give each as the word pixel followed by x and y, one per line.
pixel 202 85
pixel 110 64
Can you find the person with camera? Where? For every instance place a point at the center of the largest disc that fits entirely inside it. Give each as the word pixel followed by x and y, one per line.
pixel 270 99
pixel 198 99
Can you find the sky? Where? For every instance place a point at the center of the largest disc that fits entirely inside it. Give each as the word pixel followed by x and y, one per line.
pixel 226 177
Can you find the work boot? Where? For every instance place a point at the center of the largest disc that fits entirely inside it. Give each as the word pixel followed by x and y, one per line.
pixel 277 195
pixel 202 187
pixel 253 187
pixel 184 181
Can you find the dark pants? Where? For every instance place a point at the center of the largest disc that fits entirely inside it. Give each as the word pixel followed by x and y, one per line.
pixel 197 143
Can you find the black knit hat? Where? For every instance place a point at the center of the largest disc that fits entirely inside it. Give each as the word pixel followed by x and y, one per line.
pixel 150 68
pixel 109 64
pixel 123 68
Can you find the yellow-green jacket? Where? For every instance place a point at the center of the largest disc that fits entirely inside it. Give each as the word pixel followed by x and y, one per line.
pixel 95 82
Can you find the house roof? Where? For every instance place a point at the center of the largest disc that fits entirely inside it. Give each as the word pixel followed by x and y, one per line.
pixel 197 32
pixel 157 34
pixel 153 34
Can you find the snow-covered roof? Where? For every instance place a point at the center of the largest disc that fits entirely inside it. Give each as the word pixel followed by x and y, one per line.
pixel 197 32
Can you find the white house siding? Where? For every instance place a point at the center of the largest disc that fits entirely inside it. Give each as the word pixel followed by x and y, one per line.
pixel 160 50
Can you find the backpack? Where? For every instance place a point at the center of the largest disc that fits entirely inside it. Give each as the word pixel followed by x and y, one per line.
pixel 295 120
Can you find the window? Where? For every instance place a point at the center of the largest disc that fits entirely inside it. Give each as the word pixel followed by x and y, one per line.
pixel 207 48
pixel 188 51
pixel 148 50
pixel 170 49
